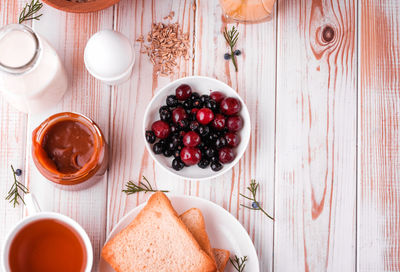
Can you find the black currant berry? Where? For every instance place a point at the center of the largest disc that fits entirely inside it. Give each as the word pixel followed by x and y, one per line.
pixel 173 128
pixel 194 96
pixel 187 105
pixel 197 103
pixel 204 130
pixel 216 166
pixel 203 163
pixel 167 152
pixel 165 115
pixel 163 108
pixel 183 124
pixel 212 105
pixel 214 159
pixel 158 148
pixel 177 164
pixel 210 152
pixel 150 137
pixel 172 101
pixel 204 98
pixel 194 125
pixel 220 142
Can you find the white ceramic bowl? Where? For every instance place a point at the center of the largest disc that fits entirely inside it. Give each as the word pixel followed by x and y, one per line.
pixel 202 85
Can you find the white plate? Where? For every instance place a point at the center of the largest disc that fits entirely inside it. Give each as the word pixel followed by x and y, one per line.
pixel 223 230
pixel 202 85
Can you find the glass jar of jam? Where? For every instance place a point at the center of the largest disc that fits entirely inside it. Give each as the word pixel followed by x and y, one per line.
pixel 69 149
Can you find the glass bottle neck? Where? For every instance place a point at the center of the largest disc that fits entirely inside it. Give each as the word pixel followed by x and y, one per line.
pixel 19 48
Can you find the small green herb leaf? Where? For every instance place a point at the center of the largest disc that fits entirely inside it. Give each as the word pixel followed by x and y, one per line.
pixel 29 12
pixel 255 204
pixel 132 188
pixel 238 263
pixel 14 194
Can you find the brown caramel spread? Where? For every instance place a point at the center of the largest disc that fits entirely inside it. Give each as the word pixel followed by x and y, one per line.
pixel 69 144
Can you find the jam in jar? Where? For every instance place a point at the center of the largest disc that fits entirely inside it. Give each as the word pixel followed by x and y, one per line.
pixel 69 149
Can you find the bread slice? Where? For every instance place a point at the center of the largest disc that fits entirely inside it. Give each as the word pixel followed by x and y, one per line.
pixel 221 257
pixel 156 240
pixel 194 221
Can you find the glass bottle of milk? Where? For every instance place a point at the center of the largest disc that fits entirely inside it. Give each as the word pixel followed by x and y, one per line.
pixel 32 77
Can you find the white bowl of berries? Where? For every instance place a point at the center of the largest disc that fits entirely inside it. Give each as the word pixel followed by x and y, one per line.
pixel 196 128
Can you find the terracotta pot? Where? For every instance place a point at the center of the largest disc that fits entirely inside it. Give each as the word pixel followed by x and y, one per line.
pixel 80 7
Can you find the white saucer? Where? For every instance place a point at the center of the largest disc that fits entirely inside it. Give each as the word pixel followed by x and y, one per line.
pixel 223 230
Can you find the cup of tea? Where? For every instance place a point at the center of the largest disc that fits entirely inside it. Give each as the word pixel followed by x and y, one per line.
pixel 47 241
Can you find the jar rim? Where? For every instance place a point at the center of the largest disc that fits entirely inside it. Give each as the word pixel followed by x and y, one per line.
pixel 31 63
pixel 89 169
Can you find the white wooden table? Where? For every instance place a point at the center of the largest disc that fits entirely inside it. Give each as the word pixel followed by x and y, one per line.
pixel 325 143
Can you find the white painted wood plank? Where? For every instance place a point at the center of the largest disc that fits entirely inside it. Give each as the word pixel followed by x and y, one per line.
pixel 255 83
pixel 130 160
pixel 378 243
pixel 315 227
pixel 68 33
pixel 12 138
pixel 130 100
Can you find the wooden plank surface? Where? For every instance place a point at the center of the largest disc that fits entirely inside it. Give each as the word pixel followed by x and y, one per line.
pixel 12 138
pixel 129 159
pixel 315 228
pixel 379 137
pixel 255 83
pixel 336 207
pixel 85 95
pixel 130 99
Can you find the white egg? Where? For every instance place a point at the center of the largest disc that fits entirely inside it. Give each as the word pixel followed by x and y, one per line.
pixel 109 56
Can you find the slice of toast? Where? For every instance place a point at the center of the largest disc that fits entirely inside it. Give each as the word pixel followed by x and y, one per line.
pixel 156 240
pixel 194 221
pixel 221 257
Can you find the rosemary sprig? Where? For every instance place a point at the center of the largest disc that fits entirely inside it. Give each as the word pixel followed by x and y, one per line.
pixel 29 11
pixel 255 204
pixel 132 188
pixel 238 263
pixel 14 193
pixel 231 37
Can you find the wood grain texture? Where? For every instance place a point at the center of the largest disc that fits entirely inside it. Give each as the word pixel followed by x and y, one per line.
pixel 379 137
pixel 12 138
pixel 315 228
pixel 336 206
pixel 68 33
pixel 255 83
pixel 129 159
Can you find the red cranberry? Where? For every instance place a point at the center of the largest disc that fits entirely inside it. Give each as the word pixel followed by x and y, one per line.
pixel 234 123
pixel 178 115
pixel 194 111
pixel 232 139
pixel 190 155
pixel 160 129
pixel 217 96
pixel 226 155
pixel 191 139
pixel 230 106
pixel 183 92
pixel 219 122
pixel 204 116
